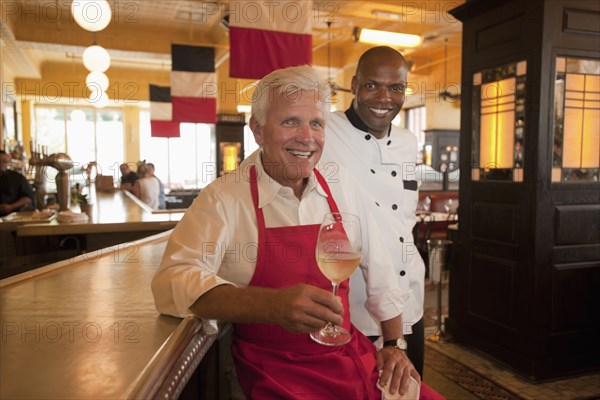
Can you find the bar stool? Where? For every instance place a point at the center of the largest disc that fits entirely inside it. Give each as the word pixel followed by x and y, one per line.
pixel 438 263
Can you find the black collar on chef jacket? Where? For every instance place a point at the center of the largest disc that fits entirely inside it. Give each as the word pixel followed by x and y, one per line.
pixel 359 124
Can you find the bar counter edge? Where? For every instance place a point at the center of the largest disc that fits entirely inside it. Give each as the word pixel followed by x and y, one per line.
pixel 169 365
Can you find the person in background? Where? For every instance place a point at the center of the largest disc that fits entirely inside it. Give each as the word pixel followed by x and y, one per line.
pixel 15 191
pixel 146 188
pixel 381 158
pixel 128 177
pixel 161 194
pixel 244 253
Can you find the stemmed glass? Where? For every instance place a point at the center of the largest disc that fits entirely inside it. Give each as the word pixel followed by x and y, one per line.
pixel 448 205
pixel 338 253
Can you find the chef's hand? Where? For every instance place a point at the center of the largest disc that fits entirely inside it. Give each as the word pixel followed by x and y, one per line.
pixel 305 308
pixel 394 363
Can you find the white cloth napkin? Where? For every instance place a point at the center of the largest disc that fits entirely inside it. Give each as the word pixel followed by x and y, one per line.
pixel 412 393
pixel 69 217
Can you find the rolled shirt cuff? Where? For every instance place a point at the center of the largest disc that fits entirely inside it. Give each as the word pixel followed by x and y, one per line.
pixel 184 296
pixel 387 305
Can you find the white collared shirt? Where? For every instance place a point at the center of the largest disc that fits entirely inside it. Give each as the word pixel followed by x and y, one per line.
pixel 216 241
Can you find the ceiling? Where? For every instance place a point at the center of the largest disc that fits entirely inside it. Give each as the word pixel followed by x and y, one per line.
pixel 140 33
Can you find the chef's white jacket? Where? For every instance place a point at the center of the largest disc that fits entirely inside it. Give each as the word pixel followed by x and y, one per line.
pixel 384 170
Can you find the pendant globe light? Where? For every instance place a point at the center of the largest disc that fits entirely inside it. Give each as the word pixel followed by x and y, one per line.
pixel 96 58
pixel 91 15
pixel 98 98
pixel 97 80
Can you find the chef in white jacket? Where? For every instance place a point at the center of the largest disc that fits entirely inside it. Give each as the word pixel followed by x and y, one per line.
pixel 381 159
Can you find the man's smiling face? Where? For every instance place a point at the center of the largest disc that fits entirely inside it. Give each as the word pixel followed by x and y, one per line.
pixel 379 93
pixel 292 136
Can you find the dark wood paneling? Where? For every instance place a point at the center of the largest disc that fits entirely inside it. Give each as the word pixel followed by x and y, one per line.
pixel 577 224
pixel 575 253
pixel 507 297
pixel 504 32
pixel 574 298
pixel 492 297
pixel 581 21
pixel 494 221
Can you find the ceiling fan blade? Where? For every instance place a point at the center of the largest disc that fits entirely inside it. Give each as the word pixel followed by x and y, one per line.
pixel 338 88
pixel 449 96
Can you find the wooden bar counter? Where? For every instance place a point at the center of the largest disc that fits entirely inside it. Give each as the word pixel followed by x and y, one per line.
pixel 117 217
pixel 86 328
pixel 112 212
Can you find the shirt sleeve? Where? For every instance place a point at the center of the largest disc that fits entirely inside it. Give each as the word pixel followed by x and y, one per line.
pixel 192 257
pixel 384 298
pixel 25 189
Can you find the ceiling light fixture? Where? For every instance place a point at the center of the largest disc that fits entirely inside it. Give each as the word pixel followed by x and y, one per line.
pixel 97 80
pixel 91 15
pixel 96 58
pixel 395 39
pixel 387 15
pixel 98 98
pixel 333 86
pixel 445 93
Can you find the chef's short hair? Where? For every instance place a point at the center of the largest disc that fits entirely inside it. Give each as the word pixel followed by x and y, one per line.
pixel 288 81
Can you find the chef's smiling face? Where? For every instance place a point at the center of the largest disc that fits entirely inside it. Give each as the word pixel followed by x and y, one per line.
pixel 292 136
pixel 379 93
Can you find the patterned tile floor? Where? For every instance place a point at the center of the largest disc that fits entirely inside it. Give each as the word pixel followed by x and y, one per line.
pixel 454 368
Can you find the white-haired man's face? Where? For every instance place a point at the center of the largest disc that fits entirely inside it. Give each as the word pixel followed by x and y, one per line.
pixel 292 137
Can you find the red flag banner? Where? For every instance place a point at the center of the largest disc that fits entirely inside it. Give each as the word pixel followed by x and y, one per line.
pixel 266 35
pixel 161 113
pixel 193 84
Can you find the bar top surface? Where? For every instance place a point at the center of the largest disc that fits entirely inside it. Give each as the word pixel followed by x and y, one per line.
pixel 112 212
pixel 82 328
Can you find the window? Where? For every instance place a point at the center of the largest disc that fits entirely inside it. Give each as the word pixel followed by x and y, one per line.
pixel 250 145
pixel 186 162
pixel 416 120
pixel 576 151
pixel 85 134
pixel 110 147
pixel 499 123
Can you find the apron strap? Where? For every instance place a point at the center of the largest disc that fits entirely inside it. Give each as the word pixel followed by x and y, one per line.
pixel 260 219
pixel 332 204
pixel 365 376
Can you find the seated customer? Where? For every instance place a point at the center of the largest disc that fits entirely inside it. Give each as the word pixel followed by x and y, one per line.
pixel 15 191
pixel 244 253
pixel 128 177
pixel 146 187
pixel 162 200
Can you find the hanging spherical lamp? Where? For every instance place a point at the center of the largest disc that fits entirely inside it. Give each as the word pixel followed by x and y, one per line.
pixel 98 98
pixel 96 58
pixel 91 15
pixel 97 80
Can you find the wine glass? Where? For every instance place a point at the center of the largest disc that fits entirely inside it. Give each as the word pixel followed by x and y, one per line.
pixel 338 253
pixel 448 205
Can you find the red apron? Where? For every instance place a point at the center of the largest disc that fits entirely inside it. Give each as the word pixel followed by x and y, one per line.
pixel 272 363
